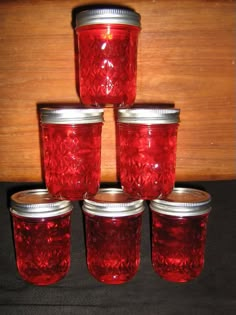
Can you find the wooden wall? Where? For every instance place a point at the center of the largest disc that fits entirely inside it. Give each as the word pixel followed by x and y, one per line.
pixel 186 57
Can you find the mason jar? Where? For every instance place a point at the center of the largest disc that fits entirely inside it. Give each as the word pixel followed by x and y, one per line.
pixel 42 233
pixel 113 233
pixel 71 151
pixel 147 141
pixel 179 228
pixel 107 40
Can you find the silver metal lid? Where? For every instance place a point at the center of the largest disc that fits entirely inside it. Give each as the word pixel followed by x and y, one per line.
pixel 38 203
pixel 183 202
pixel 148 115
pixel 112 202
pixel 108 15
pixel 71 115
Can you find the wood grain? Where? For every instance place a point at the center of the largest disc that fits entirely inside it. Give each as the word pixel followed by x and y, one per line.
pixel 186 57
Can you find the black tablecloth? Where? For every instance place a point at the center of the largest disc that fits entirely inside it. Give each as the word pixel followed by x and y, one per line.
pixel 213 292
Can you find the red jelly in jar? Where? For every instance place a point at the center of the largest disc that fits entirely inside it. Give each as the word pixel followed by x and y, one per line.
pixel 147 139
pixel 42 233
pixel 71 149
pixel 179 227
pixel 113 234
pixel 107 41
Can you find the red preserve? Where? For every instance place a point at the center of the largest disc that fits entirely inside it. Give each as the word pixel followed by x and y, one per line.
pixel 71 150
pixel 107 41
pixel 147 139
pixel 113 233
pixel 42 233
pixel 179 227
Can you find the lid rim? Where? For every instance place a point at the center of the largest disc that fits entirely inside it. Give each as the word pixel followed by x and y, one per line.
pixel 115 208
pixel 148 115
pixel 71 115
pixel 115 213
pixel 24 203
pixel 38 215
pixel 182 212
pixel 199 203
pixel 108 15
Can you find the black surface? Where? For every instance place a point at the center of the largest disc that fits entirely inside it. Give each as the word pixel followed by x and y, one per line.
pixel 213 292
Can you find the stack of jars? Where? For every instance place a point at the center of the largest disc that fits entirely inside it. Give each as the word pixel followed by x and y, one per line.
pixel 107 41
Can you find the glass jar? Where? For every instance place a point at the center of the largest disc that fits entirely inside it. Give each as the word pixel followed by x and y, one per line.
pixel 107 41
pixel 147 139
pixel 113 234
pixel 42 233
pixel 179 227
pixel 71 151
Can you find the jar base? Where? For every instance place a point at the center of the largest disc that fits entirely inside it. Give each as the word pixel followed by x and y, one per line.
pixel 43 280
pixel 180 277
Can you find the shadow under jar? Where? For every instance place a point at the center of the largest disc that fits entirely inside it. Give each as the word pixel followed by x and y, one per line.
pixel 113 234
pixel 42 234
pixel 107 41
pixel 147 139
pixel 71 151
pixel 179 228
